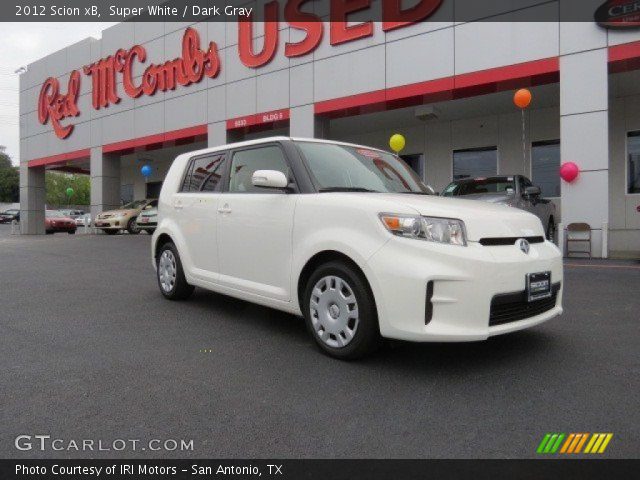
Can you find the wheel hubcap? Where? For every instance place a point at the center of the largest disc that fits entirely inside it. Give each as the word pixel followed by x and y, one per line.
pixel 334 311
pixel 167 270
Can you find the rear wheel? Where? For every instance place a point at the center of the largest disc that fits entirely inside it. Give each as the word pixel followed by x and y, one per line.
pixel 340 311
pixel 49 232
pixel 132 227
pixel 110 231
pixel 72 232
pixel 171 279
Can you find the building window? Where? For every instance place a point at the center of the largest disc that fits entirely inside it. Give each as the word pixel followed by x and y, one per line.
pixel 476 162
pixel 545 167
pixel 416 162
pixel 633 147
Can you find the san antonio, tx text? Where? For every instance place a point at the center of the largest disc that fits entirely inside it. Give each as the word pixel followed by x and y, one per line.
pixel 143 469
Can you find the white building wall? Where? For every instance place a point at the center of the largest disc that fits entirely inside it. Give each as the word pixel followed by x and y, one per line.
pixel 417 53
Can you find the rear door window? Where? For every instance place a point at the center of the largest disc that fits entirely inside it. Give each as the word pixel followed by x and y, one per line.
pixel 204 174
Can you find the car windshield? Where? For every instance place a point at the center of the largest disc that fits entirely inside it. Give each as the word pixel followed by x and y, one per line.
pixel 479 186
pixel 133 205
pixel 359 169
pixel 10 212
pixel 54 214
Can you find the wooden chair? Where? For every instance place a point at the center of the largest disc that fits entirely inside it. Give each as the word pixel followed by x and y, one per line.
pixel 578 233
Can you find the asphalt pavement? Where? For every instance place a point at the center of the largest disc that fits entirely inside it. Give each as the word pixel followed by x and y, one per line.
pixel 89 349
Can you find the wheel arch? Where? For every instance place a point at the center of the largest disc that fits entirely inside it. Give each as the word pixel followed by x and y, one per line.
pixel 162 239
pixel 326 256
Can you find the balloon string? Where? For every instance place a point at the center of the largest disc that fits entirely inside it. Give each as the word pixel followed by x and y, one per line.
pixel 524 147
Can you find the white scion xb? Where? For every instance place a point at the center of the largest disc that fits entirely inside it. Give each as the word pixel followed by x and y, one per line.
pixel 350 238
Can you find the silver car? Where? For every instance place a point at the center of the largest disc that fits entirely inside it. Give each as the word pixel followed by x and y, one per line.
pixel 516 191
pixel 148 219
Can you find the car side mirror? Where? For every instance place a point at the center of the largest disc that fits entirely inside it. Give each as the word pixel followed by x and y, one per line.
pixel 532 192
pixel 269 179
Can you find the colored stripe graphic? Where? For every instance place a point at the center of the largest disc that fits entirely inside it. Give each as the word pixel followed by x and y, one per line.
pixel 573 443
pixel 550 443
pixel 598 443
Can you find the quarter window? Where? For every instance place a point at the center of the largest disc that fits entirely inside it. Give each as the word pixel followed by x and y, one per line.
pixel 204 174
pixel 246 162
pixel 545 167
pixel 474 163
pixel 633 167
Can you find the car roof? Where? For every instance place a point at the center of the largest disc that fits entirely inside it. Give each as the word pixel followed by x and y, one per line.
pixel 479 179
pixel 261 141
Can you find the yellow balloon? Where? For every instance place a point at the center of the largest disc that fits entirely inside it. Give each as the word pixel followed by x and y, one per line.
pixel 397 142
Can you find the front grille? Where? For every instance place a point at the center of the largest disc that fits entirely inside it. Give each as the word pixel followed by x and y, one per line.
pixel 512 307
pixel 492 242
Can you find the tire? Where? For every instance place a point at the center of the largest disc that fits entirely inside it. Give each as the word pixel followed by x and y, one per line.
pixel 170 274
pixel 72 232
pixel 49 232
pixel 110 232
pixel 333 292
pixel 132 226
pixel 551 231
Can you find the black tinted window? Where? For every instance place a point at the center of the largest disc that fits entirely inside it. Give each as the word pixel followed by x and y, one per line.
pixel 204 174
pixel 481 162
pixel 545 165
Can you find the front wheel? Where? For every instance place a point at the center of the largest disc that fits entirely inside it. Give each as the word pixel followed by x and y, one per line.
pixel 72 232
pixel 110 231
pixel 340 311
pixel 132 227
pixel 171 279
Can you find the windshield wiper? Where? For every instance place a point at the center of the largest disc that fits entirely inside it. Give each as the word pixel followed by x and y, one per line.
pixel 346 189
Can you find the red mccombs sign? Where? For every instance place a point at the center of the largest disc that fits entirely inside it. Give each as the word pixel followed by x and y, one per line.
pixel 195 63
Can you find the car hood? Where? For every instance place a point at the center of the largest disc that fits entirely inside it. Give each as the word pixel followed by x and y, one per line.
pixel 481 219
pixel 488 197
pixel 118 212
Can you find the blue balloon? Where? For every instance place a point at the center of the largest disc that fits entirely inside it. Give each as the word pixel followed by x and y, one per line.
pixel 145 170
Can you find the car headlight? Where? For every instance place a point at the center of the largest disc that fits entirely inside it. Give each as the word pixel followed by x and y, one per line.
pixel 431 229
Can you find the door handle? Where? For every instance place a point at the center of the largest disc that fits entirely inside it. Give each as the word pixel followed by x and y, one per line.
pixel 225 209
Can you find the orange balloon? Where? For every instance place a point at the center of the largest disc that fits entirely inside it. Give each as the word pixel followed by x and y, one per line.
pixel 522 98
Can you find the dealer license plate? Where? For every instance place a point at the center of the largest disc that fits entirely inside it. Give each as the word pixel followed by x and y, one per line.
pixel 538 286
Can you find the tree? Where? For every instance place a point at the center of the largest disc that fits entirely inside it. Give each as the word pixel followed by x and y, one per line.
pixel 9 179
pixel 56 185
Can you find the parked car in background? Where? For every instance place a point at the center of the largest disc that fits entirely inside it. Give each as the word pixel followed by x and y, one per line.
pixel 349 237
pixel 77 215
pixel 124 218
pixel 148 219
pixel 80 221
pixel 516 191
pixel 56 221
pixel 10 215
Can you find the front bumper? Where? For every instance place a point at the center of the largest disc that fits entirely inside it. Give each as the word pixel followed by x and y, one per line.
pixel 111 223
pixel 62 228
pixel 464 282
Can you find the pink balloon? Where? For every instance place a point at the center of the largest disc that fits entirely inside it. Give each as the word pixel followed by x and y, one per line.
pixel 569 171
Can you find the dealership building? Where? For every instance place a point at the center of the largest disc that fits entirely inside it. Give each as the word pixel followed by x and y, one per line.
pixel 146 92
